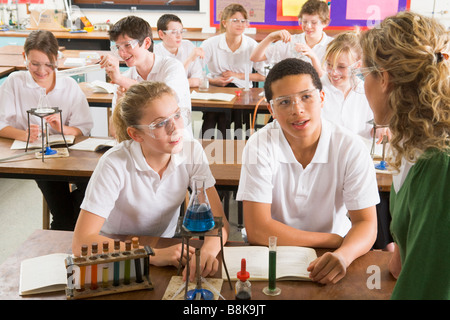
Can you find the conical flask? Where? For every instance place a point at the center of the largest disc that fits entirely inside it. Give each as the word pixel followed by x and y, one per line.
pixel 198 216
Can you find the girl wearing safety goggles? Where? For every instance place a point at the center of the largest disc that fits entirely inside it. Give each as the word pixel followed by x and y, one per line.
pixel 22 91
pixel 138 186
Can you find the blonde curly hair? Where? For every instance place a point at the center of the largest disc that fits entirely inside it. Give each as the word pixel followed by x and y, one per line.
pixel 414 50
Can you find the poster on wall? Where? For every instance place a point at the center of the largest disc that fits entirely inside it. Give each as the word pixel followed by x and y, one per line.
pixel 280 14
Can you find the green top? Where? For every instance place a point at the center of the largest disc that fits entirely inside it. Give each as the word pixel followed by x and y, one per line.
pixel 421 228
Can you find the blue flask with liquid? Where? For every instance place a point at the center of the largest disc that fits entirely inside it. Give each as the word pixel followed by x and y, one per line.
pixel 198 216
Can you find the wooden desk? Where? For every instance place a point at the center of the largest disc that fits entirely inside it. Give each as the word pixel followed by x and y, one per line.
pixel 193 34
pixel 4 71
pixel 15 49
pixel 352 286
pixel 96 99
pixel 246 100
pixel 17 61
pixel 224 156
pixel 79 166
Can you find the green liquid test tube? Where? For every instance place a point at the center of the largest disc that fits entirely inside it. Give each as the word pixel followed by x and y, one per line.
pixel 271 289
pixel 116 279
pixel 272 270
pixel 137 262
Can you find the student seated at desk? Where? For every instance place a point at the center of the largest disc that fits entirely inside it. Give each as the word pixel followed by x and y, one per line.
pixel 302 175
pixel 21 91
pixel 227 56
pixel 134 44
pixel 309 46
pixel 345 102
pixel 407 80
pixel 170 30
pixel 138 186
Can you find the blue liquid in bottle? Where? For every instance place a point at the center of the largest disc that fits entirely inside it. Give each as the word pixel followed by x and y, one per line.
pixel 198 218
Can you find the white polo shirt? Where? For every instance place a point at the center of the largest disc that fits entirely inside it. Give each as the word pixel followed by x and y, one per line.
pixel 279 50
pixel 220 58
pixel 352 112
pixel 195 68
pixel 167 70
pixel 133 198
pixel 340 177
pixel 20 93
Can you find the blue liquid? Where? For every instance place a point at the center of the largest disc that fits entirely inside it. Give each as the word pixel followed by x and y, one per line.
pixel 198 219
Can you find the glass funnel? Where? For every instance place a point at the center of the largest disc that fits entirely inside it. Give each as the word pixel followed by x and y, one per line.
pixel 198 216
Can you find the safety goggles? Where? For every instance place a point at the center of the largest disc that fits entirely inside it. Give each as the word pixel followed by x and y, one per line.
pixel 128 45
pixel 285 103
pixel 162 128
pixel 175 32
pixel 240 21
pixel 32 65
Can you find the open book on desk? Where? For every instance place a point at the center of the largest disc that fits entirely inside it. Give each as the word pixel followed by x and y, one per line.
pixel 53 139
pixel 43 274
pixel 94 144
pixel 212 96
pixel 292 262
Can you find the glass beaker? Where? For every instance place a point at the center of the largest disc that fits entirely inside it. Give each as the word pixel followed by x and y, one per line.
pixel 198 216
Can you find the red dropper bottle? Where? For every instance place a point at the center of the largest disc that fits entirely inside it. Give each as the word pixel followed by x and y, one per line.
pixel 243 286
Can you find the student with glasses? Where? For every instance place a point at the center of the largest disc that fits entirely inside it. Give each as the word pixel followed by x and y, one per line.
pixel 301 175
pixel 227 55
pixel 170 30
pixel 345 101
pixel 133 43
pixel 21 91
pixel 309 46
pixel 139 185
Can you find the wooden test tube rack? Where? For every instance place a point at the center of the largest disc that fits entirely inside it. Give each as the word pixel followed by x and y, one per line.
pixel 101 259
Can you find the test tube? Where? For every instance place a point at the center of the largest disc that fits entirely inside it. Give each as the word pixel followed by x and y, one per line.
pixel 84 251
pixel 271 289
pixel 137 262
pixel 93 256
pixel 105 267
pixel 116 253
pixel 126 276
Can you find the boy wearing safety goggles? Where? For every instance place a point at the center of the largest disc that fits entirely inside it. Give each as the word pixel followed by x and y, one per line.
pixel 302 175
pixel 133 43
pixel 309 46
pixel 170 31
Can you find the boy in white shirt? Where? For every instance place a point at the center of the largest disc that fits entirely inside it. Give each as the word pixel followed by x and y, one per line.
pixel 309 46
pixel 134 44
pixel 227 56
pixel 302 175
pixel 170 30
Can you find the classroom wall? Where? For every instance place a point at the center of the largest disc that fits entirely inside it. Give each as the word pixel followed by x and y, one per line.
pixel 201 18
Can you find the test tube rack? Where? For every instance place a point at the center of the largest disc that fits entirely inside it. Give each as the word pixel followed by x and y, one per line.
pixel 77 267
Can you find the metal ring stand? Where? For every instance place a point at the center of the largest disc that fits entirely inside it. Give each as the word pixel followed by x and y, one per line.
pixel 186 235
pixel 34 112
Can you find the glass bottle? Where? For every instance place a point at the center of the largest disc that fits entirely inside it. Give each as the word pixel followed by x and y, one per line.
pixel 198 217
pixel 243 286
pixel 204 82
